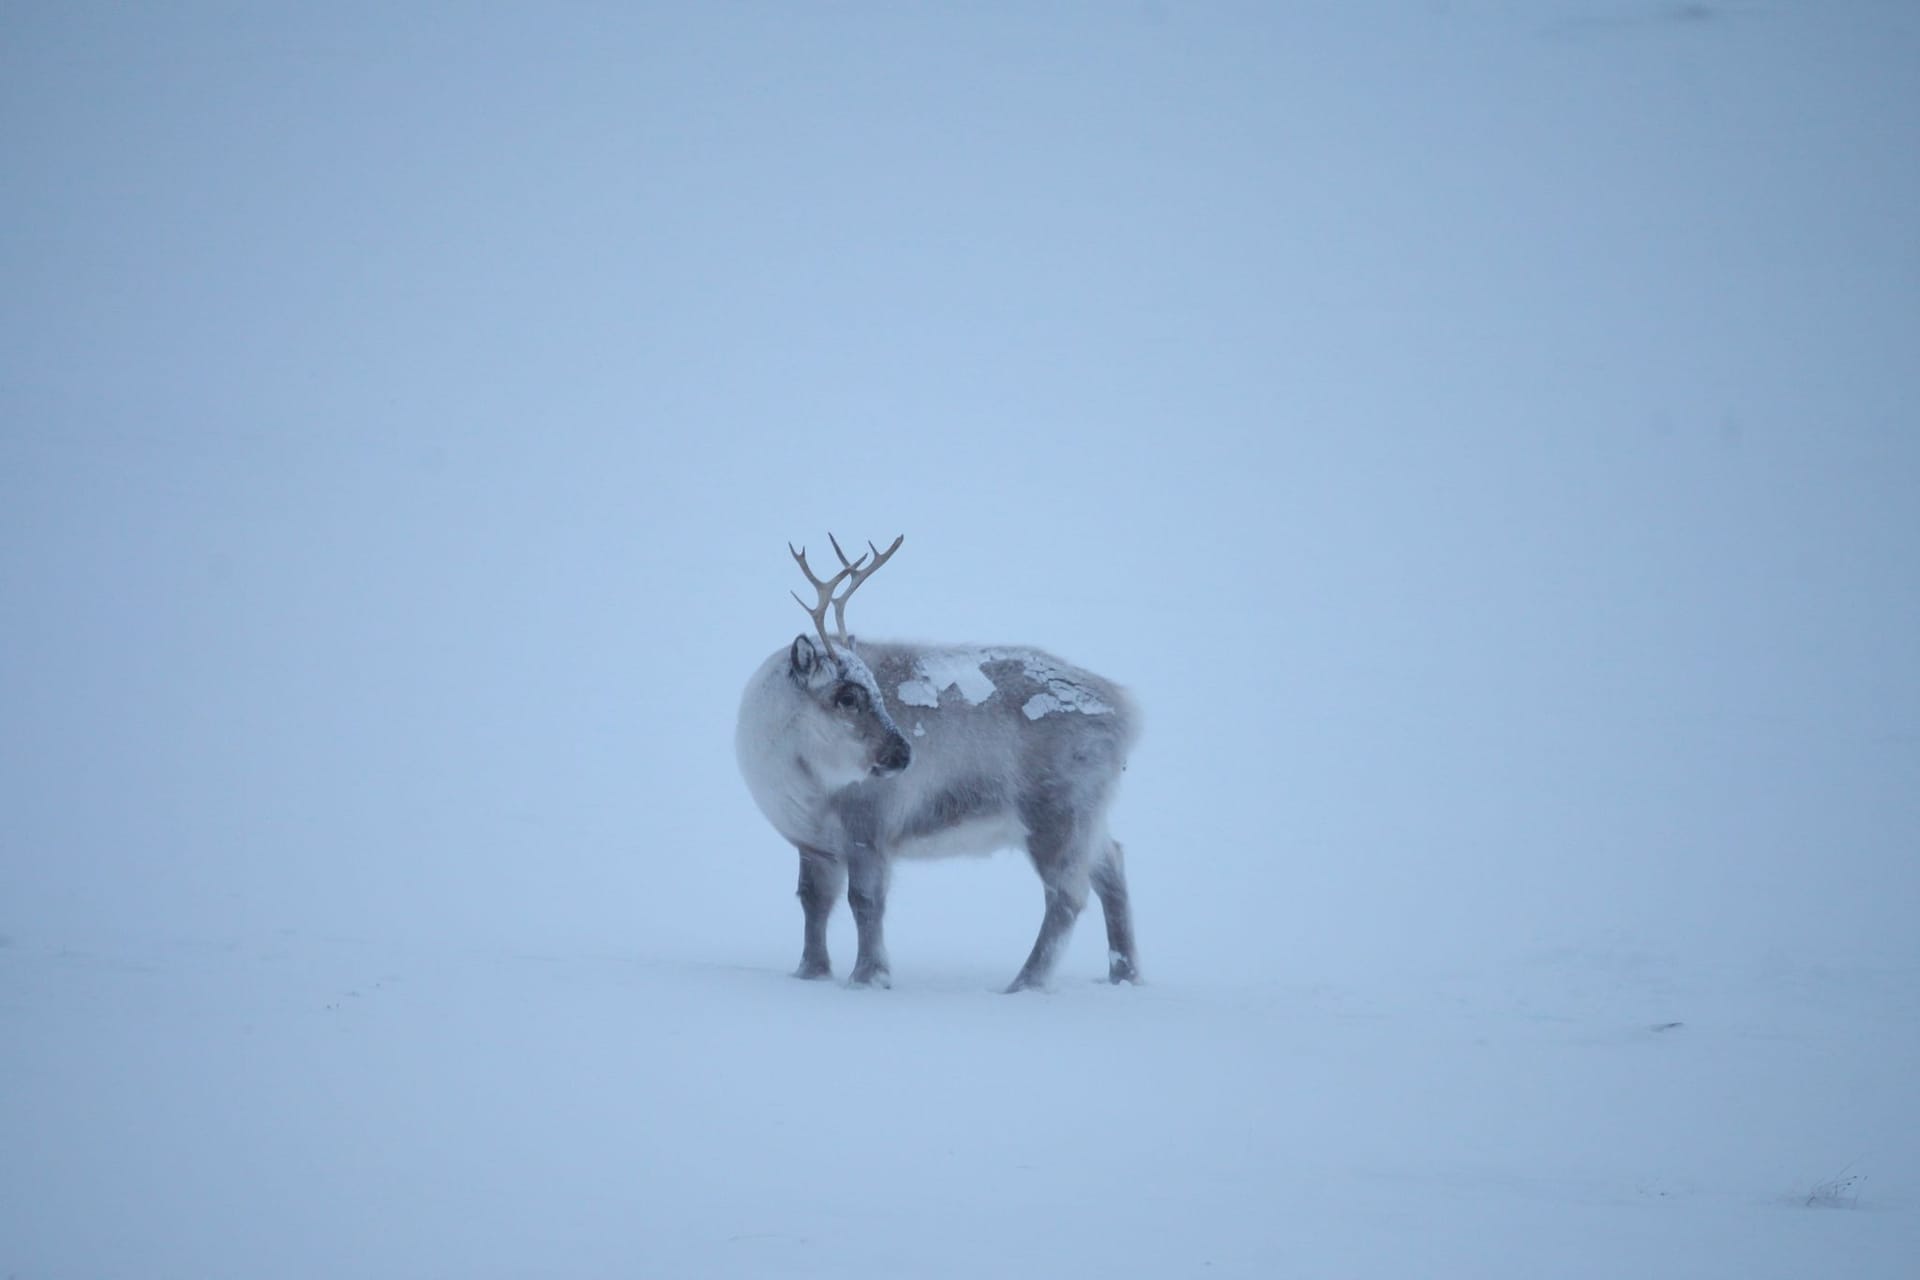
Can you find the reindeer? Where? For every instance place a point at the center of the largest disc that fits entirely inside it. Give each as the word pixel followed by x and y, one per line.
pixel 1001 747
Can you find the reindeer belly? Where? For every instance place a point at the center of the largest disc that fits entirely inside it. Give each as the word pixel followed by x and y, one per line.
pixel 975 837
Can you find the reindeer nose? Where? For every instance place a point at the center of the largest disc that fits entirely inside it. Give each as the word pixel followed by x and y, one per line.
pixel 895 756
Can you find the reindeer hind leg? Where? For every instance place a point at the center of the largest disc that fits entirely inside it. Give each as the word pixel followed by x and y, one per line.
pixel 1109 877
pixel 1059 855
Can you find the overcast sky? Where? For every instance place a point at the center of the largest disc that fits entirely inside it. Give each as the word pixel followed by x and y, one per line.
pixel 1482 435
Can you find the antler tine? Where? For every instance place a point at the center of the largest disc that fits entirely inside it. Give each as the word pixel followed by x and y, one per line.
pixel 851 564
pixel 860 575
pixel 800 558
pixel 819 611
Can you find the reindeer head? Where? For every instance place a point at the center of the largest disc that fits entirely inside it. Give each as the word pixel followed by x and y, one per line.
pixel 850 734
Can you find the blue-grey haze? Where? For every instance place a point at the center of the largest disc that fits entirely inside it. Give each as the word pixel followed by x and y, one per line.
pixel 1483 436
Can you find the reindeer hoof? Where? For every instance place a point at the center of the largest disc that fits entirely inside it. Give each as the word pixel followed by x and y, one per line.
pixel 813 970
pixel 1024 983
pixel 872 977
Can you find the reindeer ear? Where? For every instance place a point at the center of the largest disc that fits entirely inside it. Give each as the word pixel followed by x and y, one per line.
pixel 803 657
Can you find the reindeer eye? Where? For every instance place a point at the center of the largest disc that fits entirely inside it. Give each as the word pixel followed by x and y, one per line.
pixel 849 697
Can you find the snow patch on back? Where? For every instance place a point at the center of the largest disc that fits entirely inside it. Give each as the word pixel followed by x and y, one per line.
pixel 1065 698
pixel 935 673
pixel 1062 691
pixel 1061 688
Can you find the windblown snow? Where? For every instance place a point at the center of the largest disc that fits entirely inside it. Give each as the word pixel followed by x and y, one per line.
pixel 1480 434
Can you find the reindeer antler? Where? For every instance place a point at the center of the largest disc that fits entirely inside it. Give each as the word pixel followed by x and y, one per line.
pixel 858 570
pixel 819 611
pixel 859 576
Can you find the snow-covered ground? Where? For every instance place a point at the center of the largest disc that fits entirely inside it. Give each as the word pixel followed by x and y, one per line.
pixel 1481 435
pixel 306 1106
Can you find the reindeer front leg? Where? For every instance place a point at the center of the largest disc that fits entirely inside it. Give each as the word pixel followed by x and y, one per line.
pixel 822 876
pixel 867 874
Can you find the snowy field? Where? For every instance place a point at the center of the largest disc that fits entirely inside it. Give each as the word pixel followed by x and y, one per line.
pixel 1481 435
pixel 324 1107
